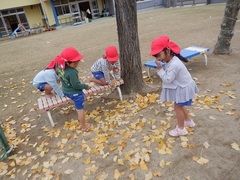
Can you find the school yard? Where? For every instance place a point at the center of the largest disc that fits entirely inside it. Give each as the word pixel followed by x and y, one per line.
pixel 129 139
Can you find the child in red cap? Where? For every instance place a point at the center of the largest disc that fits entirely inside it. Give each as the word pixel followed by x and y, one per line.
pixel 177 83
pixel 48 80
pixel 102 67
pixel 71 86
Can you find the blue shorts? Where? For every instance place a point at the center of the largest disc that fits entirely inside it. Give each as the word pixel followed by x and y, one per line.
pixel 41 86
pixel 78 100
pixel 98 75
pixel 187 103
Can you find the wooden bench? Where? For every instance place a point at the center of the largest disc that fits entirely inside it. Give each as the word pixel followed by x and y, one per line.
pixel 182 2
pixel 188 53
pixel 48 103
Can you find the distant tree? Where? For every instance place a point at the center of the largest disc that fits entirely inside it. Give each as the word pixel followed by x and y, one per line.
pixel 130 57
pixel 227 27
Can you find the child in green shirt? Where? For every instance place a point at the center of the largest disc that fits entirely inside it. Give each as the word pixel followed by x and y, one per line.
pixel 71 86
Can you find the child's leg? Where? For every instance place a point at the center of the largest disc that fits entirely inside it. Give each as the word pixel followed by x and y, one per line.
pixel 98 78
pixel 101 81
pixel 180 114
pixel 188 122
pixel 48 90
pixel 81 117
pixel 185 111
pixel 180 130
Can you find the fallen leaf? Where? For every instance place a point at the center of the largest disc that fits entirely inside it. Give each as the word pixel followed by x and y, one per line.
pixel 87 161
pixel 156 173
pixel 143 165
pixel 206 145
pixel 202 161
pixel 235 146
pixel 117 174
pixel 148 176
pixel 68 171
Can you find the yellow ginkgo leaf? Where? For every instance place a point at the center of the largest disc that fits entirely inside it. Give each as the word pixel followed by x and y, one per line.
pixel 132 167
pixel 206 145
pixel 195 158
pixel 148 176
pixel 143 165
pixel 87 161
pixel 226 84
pixel 102 176
pixel 212 118
pixel 162 163
pixel 3 167
pixel 65 160
pixel 147 158
pixel 120 162
pixel 168 163
pixel 156 173
pixel 35 166
pixel 12 164
pixel 231 113
pixel 68 171
pixel 202 161
pixel 235 146
pixel 117 174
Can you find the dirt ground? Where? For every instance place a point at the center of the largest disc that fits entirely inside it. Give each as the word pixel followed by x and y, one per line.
pixel 129 139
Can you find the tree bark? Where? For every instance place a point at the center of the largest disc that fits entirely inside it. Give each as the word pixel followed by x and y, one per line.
pixel 227 27
pixel 130 57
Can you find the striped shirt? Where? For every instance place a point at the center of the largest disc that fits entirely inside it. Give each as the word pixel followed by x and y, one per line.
pixel 102 65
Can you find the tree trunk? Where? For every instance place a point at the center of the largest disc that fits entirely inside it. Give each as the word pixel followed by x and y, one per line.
pixel 130 57
pixel 227 27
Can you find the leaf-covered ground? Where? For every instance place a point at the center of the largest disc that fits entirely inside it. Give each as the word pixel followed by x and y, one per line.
pixel 129 139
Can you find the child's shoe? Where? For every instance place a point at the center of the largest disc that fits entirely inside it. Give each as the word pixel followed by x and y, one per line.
pixel 178 132
pixel 189 123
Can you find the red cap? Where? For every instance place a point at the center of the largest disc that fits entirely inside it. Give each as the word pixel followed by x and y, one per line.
pixel 111 54
pixel 71 54
pixel 52 64
pixel 162 42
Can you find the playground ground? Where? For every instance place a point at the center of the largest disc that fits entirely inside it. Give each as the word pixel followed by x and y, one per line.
pixel 128 140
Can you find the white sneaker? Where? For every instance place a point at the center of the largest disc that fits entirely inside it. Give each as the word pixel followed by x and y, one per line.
pixel 178 132
pixel 190 123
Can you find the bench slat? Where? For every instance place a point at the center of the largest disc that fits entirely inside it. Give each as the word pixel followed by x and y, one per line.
pixel 40 103
pixel 50 103
pixel 98 89
pixel 85 92
pixel 54 100
pixel 47 103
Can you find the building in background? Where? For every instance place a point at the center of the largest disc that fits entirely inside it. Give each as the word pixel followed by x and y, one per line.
pixel 48 13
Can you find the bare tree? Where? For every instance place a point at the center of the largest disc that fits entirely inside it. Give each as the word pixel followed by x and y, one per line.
pixel 130 57
pixel 227 27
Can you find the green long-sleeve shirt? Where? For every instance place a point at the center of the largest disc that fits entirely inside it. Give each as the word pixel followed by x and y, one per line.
pixel 70 81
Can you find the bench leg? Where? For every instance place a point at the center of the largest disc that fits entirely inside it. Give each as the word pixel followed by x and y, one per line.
pixel 205 58
pixel 119 93
pixel 149 72
pixel 50 118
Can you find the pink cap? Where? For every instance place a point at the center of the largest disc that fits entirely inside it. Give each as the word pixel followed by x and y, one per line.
pixel 111 54
pixel 71 54
pixel 162 42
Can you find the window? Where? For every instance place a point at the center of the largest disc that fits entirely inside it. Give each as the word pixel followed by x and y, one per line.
pixel 56 2
pixel 64 1
pixel 61 10
pixel 66 9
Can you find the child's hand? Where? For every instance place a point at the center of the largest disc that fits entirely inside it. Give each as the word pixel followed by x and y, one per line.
pixel 158 63
pixel 111 84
